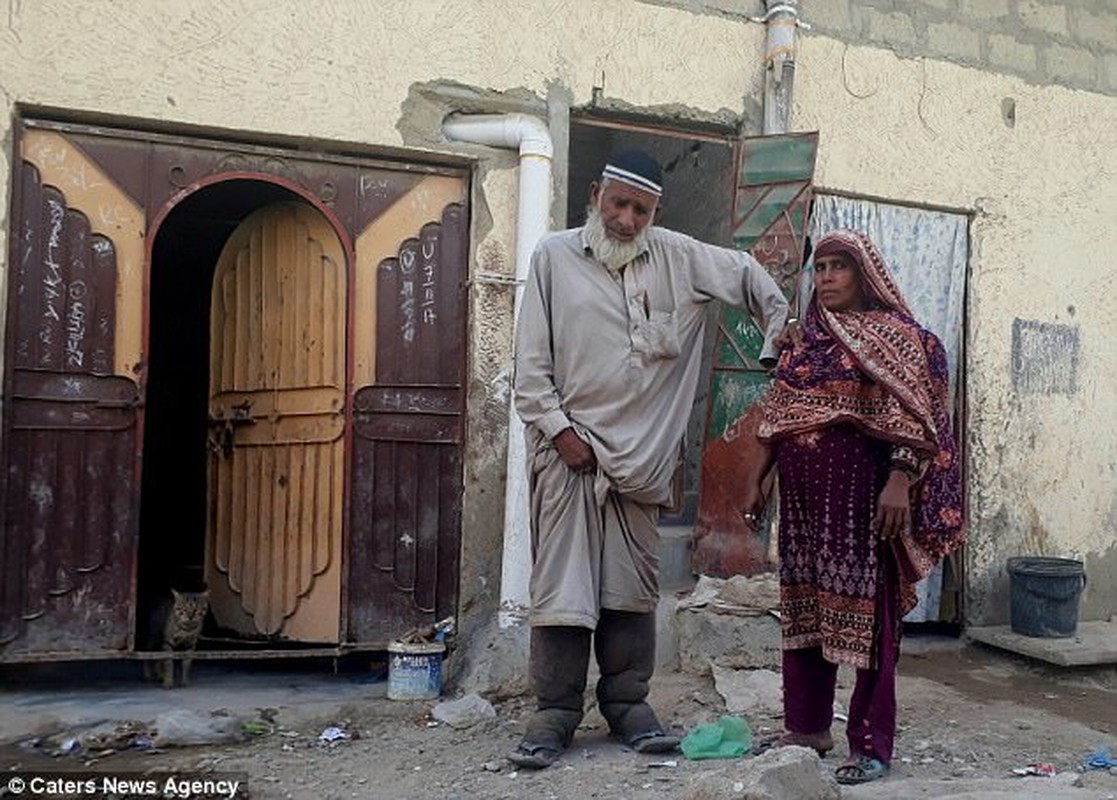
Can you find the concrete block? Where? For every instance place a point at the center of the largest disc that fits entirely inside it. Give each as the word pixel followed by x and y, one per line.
pixel 1071 65
pixel 1109 70
pixel 731 640
pixel 784 773
pixel 827 16
pixel 1045 17
pixel 744 8
pixel 954 41
pixel 752 692
pixel 1093 643
pixel 891 29
pixel 950 6
pixel 493 661
pixel 1095 27
pixel 984 9
pixel 1007 53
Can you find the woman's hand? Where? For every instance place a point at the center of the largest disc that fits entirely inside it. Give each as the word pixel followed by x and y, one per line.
pixel 893 515
pixel 752 505
pixel 790 336
pixel 574 452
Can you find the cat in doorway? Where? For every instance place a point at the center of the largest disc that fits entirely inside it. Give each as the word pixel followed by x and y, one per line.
pixel 176 623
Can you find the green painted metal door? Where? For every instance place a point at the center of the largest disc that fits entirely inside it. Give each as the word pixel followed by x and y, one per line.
pixel 772 204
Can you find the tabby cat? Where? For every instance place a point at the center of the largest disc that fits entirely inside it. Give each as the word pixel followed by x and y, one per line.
pixel 178 621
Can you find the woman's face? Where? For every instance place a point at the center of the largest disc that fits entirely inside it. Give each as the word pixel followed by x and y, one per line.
pixel 837 282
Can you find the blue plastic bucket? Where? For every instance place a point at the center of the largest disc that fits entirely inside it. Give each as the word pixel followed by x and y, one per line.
pixel 1044 595
pixel 415 670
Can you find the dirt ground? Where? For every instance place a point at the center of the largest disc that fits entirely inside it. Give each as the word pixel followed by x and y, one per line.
pixel 968 717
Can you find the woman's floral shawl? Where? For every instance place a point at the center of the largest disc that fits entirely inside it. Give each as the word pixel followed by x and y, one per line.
pixel 884 373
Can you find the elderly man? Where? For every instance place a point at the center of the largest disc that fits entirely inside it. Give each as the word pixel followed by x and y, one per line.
pixel 608 357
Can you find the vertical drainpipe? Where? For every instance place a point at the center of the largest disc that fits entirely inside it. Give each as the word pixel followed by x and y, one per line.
pixel 530 136
pixel 781 19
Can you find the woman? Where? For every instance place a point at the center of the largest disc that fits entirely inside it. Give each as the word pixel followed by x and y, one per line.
pixel 870 495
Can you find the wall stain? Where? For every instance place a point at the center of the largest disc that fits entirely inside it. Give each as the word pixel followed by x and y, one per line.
pixel 1044 357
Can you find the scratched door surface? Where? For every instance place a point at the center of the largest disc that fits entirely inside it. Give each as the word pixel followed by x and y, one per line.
pixel 277 423
pixel 771 209
pixel 408 406
pixel 335 439
pixel 71 408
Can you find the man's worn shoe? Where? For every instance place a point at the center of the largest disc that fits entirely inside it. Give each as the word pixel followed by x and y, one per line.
pixel 549 732
pixel 534 755
pixel 654 741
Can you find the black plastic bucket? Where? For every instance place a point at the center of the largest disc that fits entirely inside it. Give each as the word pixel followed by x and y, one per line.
pixel 1045 594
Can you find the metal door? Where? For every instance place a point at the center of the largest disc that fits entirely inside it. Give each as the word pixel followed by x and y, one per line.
pixel 408 405
pixel 772 203
pixel 277 423
pixel 319 531
pixel 71 408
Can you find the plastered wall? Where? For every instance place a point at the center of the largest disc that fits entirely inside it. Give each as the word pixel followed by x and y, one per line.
pixel 1032 163
pixel 372 76
pixel 1034 167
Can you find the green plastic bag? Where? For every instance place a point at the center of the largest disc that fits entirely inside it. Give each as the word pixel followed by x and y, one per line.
pixel 729 737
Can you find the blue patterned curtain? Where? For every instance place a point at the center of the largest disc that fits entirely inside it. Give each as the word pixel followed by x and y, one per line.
pixel 927 252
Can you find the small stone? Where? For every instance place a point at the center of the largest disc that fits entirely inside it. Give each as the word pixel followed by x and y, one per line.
pixel 492 766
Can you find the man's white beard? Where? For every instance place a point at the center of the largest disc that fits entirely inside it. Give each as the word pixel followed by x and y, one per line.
pixel 607 251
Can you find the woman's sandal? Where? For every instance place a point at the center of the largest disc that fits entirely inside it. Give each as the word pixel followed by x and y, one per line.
pixel 861 770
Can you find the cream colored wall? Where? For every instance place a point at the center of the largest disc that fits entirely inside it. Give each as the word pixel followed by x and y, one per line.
pixel 1041 474
pixel 347 71
pixel 341 70
pixel 1044 196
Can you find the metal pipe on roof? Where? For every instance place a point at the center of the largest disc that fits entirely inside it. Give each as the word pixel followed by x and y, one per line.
pixel 781 19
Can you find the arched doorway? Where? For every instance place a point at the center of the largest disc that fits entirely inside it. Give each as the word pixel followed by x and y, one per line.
pixel 247 333
pixel 318 493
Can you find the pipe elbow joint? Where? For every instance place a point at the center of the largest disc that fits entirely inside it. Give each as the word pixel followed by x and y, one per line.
pixel 526 133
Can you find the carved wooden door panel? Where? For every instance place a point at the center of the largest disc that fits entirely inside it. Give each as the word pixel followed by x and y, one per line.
pixel 277 424
pixel 71 409
pixel 335 461
pixel 408 404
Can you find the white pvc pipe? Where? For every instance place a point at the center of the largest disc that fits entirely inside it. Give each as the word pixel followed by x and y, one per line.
pixel 530 136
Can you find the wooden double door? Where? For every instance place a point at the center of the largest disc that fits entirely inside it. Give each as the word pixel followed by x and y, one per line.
pixel 329 332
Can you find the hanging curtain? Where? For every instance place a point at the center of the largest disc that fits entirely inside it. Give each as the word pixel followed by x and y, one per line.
pixel 927 252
